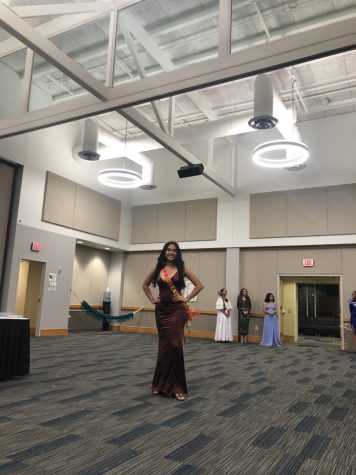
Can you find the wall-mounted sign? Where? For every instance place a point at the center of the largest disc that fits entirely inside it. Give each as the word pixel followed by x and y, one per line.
pixel 52 281
pixel 35 246
pixel 308 262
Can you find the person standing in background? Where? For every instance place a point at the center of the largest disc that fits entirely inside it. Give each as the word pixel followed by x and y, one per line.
pixel 270 333
pixel 244 308
pixel 171 316
pixel 223 332
pixel 352 307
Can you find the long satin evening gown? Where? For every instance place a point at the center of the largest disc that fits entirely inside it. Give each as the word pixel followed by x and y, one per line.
pixel 270 332
pixel 169 375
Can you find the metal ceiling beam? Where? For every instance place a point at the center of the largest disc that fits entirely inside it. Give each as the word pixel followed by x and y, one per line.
pixel 125 26
pixel 170 144
pixel 277 53
pixel 17 27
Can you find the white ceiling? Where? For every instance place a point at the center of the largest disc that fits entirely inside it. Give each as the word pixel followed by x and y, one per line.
pixel 172 34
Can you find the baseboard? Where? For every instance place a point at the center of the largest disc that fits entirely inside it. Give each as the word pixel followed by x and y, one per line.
pixel 153 331
pixel 190 334
pixel 133 329
pixel 54 332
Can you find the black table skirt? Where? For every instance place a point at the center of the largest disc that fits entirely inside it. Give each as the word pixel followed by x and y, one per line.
pixel 14 348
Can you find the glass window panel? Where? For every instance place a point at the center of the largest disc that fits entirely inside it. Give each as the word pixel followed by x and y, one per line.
pixel 327 303
pixel 49 85
pixel 311 301
pixel 258 22
pixel 12 69
pixel 87 45
pixel 169 35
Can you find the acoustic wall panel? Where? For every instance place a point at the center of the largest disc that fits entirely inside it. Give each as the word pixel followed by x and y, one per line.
pixel 69 204
pixel 307 212
pixel 144 224
pixel 171 221
pixel 268 213
pixel 59 199
pixel 137 266
pixel 181 221
pixel 341 201
pixel 200 220
pixel 96 213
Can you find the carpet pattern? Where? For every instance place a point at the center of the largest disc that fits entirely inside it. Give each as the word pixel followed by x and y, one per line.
pixel 86 409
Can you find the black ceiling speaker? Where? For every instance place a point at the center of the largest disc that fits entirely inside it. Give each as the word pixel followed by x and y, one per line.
pixel 190 170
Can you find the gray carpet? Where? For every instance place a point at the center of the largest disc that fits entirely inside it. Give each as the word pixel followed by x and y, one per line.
pixel 86 408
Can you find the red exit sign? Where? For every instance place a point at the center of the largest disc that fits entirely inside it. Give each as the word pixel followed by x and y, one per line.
pixel 35 246
pixel 308 262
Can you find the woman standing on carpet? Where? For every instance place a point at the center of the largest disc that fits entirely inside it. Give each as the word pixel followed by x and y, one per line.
pixel 270 333
pixel 244 308
pixel 223 332
pixel 171 316
pixel 352 307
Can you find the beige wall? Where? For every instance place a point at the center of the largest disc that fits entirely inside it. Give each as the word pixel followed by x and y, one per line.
pixel 260 268
pixel 209 265
pixel 90 275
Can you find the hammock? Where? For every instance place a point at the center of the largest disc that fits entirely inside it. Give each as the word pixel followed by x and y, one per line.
pixel 104 316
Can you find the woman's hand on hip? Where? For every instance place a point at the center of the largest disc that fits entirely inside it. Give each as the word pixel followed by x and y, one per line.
pixel 178 298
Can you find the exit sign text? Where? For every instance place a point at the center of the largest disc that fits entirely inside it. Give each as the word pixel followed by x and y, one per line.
pixel 308 262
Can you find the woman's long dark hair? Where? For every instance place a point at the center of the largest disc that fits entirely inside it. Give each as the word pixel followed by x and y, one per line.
pixel 178 262
pixel 268 296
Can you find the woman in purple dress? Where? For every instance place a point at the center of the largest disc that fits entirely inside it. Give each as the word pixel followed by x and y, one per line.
pixel 171 316
pixel 270 333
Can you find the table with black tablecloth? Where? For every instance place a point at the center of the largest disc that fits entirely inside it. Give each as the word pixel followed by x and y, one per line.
pixel 14 346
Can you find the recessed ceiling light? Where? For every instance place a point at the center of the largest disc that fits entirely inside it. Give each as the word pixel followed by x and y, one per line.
pixel 79 242
pixel 107 248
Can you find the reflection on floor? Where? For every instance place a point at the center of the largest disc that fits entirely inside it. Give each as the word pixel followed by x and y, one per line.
pixel 319 341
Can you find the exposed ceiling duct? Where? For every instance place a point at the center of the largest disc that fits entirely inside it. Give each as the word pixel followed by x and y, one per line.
pixel 89 149
pixel 263 111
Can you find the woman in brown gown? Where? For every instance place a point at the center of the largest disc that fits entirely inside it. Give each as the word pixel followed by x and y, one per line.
pixel 171 316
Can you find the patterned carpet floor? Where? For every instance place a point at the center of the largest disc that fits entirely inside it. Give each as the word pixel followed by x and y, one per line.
pixel 86 409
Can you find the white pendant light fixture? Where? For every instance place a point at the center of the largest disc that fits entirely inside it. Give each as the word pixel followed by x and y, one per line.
pixel 288 154
pixel 120 178
pixel 127 176
pixel 280 154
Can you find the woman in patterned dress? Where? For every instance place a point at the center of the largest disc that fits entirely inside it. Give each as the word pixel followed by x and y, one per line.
pixel 244 308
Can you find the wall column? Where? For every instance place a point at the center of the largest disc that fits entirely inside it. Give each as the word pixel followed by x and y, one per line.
pixel 233 282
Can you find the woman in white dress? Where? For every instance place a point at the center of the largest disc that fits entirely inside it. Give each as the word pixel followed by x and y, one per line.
pixel 223 330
